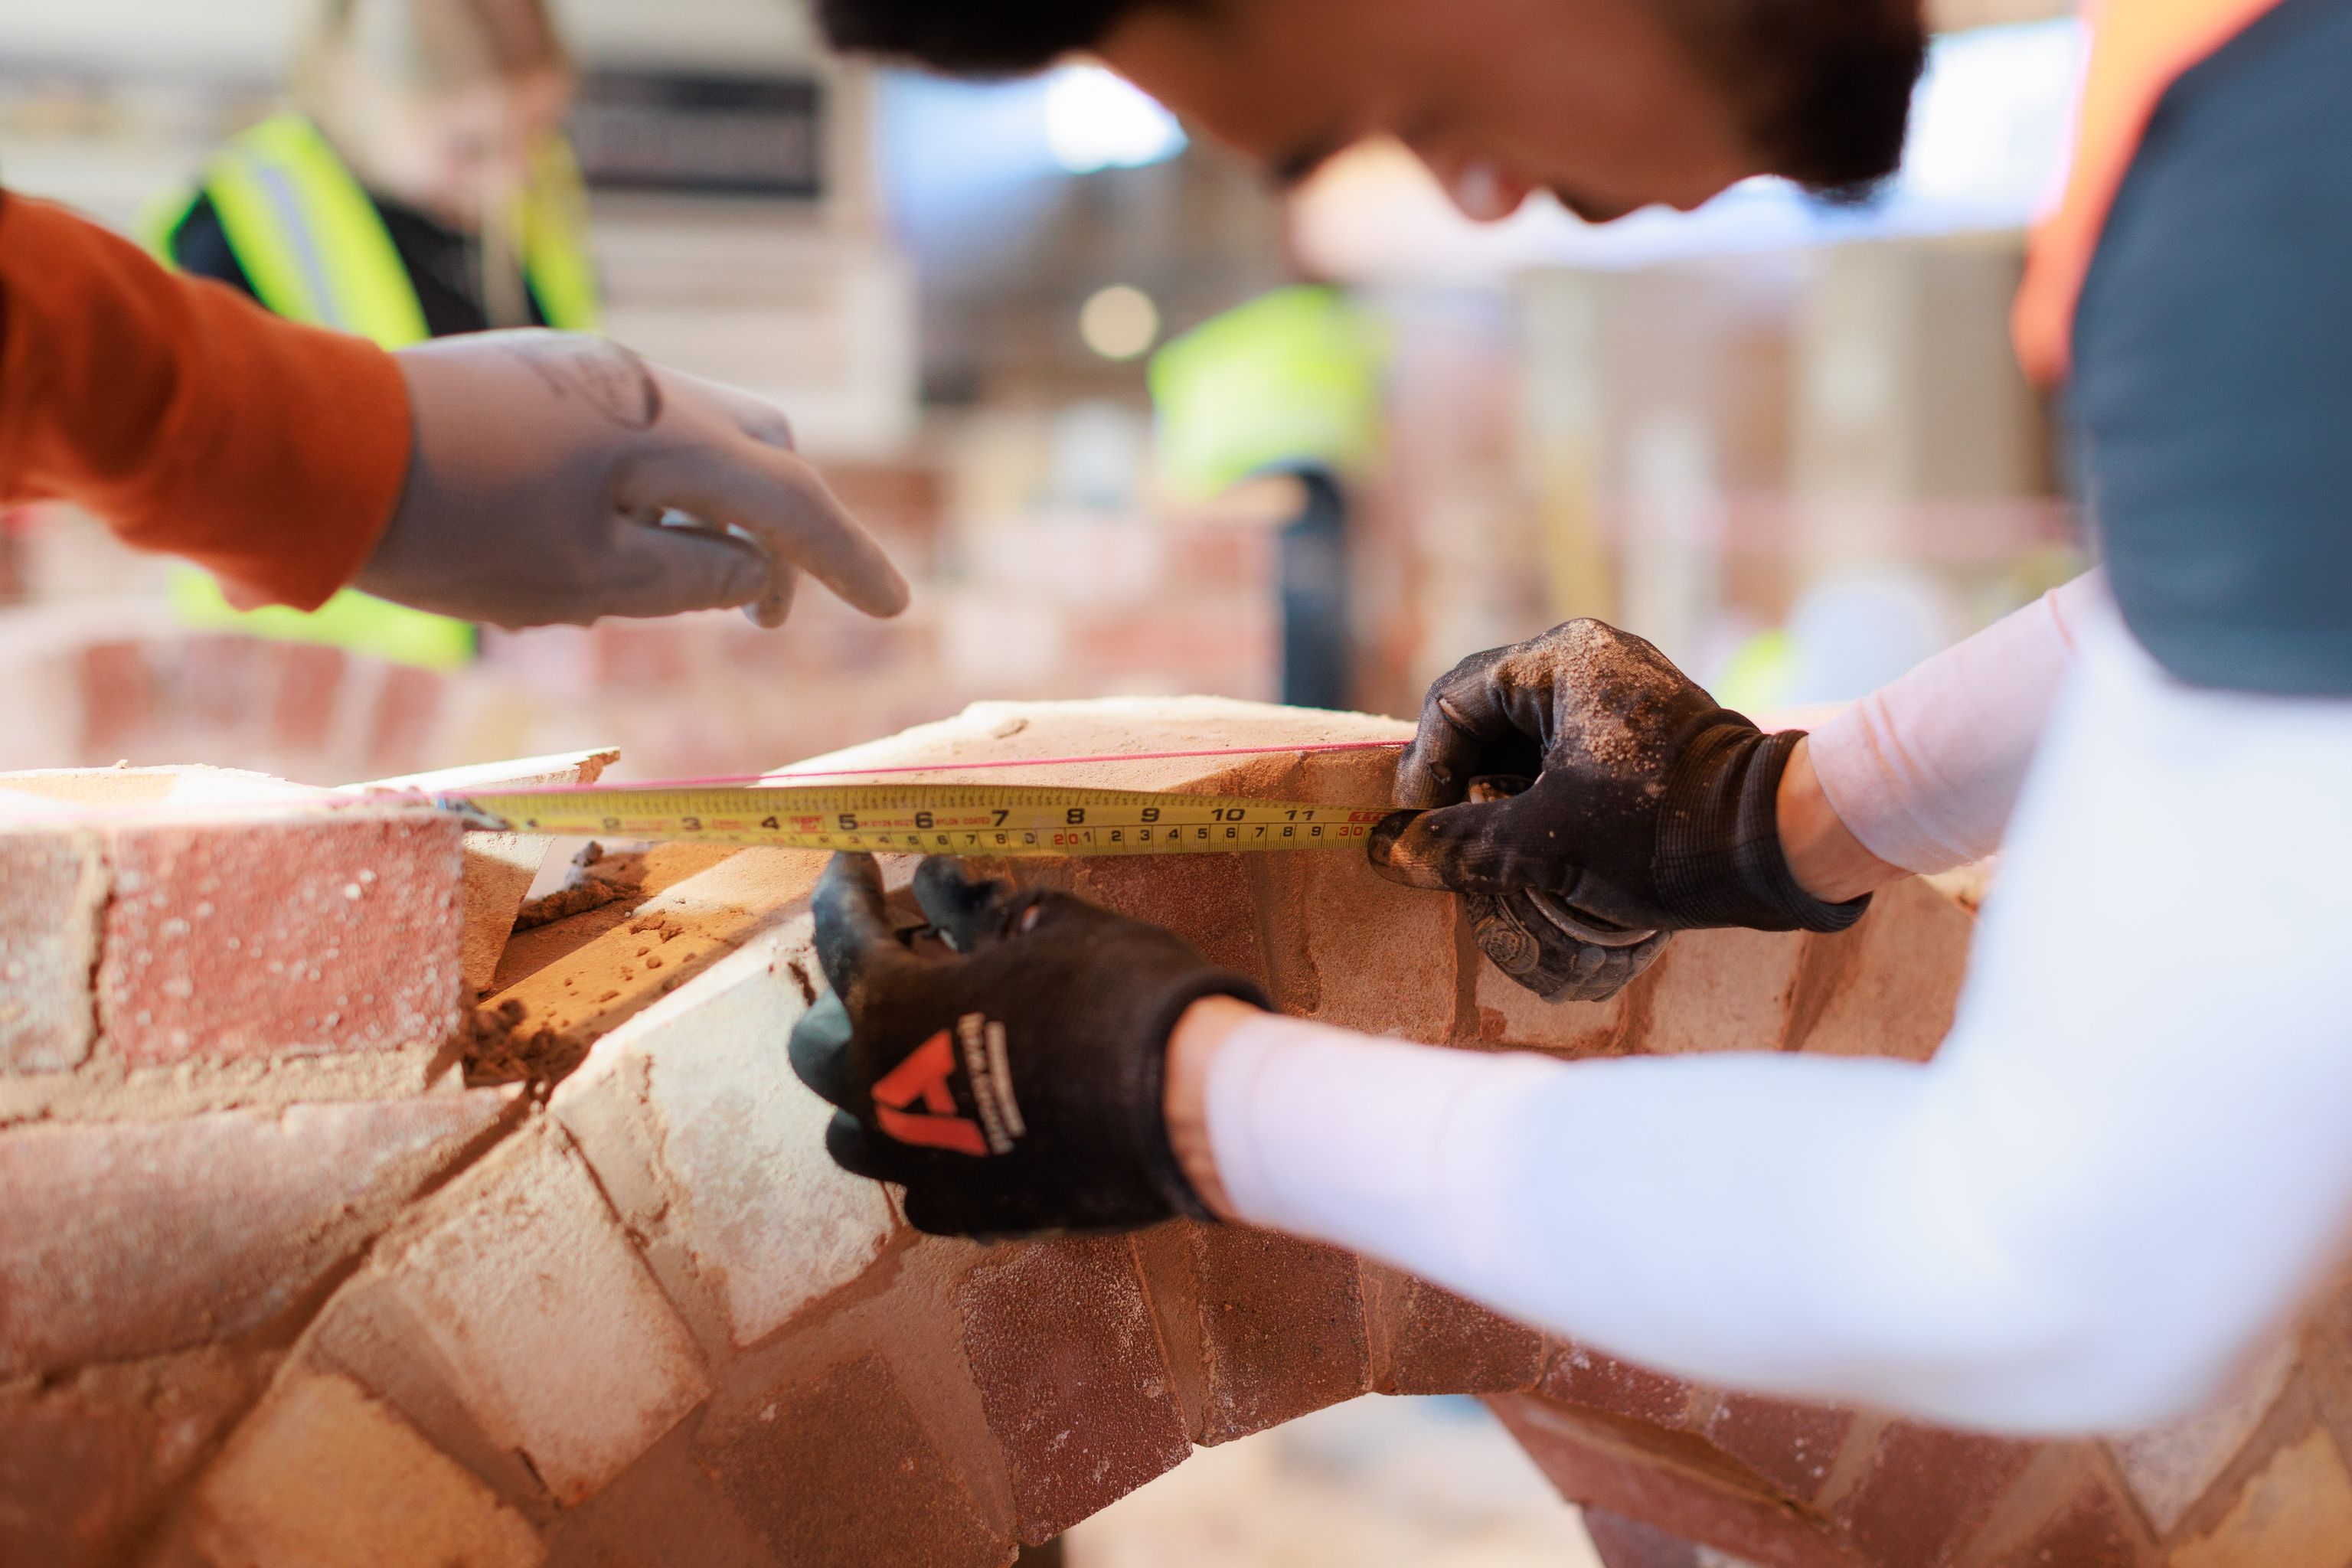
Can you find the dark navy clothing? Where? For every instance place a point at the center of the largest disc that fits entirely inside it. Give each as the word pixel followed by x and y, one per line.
pixel 2212 382
pixel 441 263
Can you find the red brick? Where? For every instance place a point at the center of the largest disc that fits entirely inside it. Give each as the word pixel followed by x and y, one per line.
pixel 84 1464
pixel 1890 983
pixel 118 695
pixel 664 1512
pixel 1259 1328
pixel 1927 1490
pixel 1583 1376
pixel 1790 1446
pixel 1628 1543
pixel 839 1473
pixel 2089 1531
pixel 52 885
pixel 125 1239
pixel 1061 1342
pixel 1429 1340
pixel 308 679
pixel 218 675
pixel 302 935
pixel 1592 1467
pixel 407 704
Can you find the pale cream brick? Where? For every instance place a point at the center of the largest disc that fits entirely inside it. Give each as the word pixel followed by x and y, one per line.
pixel 559 1344
pixel 766 1218
pixel 323 1476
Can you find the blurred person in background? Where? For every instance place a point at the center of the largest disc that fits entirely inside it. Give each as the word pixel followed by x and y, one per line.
pixel 2126 1172
pixel 420 186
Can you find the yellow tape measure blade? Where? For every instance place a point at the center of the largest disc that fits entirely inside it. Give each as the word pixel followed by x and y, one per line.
pixel 992 820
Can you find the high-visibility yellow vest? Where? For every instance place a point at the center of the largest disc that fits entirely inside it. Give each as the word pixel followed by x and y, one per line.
pixel 1291 379
pixel 316 250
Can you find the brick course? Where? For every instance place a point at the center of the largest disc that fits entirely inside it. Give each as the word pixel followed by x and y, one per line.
pixel 655 1326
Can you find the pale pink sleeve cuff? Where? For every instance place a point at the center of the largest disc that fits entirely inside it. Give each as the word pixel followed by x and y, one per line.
pixel 1925 770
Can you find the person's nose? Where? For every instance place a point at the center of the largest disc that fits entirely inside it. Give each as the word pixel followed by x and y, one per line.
pixel 1483 189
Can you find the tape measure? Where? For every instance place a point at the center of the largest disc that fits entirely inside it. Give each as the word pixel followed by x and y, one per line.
pixel 992 820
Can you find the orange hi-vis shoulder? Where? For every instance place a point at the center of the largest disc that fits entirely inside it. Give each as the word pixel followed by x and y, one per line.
pixel 2138 49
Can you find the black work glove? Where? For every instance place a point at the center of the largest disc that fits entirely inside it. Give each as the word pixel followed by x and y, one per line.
pixel 1652 809
pixel 1015 1085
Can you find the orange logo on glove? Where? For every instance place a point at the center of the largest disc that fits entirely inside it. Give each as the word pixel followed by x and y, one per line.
pixel 924 1076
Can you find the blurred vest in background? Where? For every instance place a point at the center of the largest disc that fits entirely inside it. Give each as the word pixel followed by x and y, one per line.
pixel 316 250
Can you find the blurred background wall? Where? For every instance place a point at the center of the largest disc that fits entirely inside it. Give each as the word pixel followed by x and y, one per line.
pixel 1786 442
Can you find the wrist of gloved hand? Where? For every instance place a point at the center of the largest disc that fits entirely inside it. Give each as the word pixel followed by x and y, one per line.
pixel 1718 859
pixel 1015 1085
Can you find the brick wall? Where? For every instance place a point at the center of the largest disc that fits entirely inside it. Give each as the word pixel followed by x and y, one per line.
pixel 1048 609
pixel 262 1306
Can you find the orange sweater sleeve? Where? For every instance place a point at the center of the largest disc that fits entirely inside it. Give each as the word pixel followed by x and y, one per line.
pixel 194 422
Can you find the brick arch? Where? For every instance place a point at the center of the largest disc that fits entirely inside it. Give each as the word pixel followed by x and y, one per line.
pixel 633 1317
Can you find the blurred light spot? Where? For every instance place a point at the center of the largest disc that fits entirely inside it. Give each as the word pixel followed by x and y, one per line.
pixel 1095 120
pixel 1120 322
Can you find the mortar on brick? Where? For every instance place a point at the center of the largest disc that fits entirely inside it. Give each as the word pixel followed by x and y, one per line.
pixel 52 885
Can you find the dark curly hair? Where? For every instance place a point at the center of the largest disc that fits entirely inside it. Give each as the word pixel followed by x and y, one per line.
pixel 961 38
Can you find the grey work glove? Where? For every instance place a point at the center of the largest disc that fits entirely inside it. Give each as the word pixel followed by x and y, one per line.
pixel 557 479
pixel 1652 808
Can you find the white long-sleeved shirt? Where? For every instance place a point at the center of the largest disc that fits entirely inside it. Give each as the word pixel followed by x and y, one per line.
pixel 2127 1168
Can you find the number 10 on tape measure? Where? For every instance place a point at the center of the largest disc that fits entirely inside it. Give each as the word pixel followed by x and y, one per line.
pixel 992 820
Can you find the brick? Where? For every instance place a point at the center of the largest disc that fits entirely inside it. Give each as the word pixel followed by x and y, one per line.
pixel 1583 1376
pixel 84 1464
pixel 1624 1542
pixel 126 1239
pixel 325 1476
pixel 663 1513
pixel 1927 1490
pixel 1259 1328
pixel 2091 1531
pixel 118 695
pixel 2169 1468
pixel 407 706
pixel 683 931
pixel 1790 1446
pixel 837 1472
pixel 559 1342
pixel 500 866
pixel 1429 1340
pixel 309 678
pixel 284 936
pixel 52 885
pixel 2295 1513
pixel 1511 1015
pixel 1894 979
pixel 1723 991
pixel 763 1215
pixel 1061 1341
pixel 1596 1467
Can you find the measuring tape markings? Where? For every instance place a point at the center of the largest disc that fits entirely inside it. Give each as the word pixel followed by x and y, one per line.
pixel 1011 820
